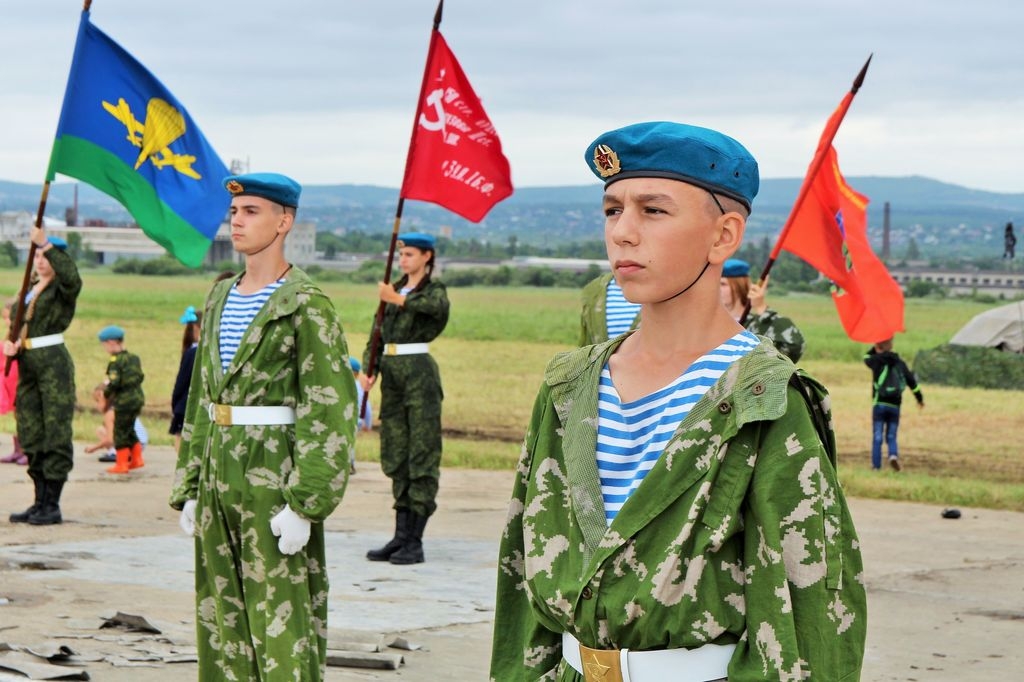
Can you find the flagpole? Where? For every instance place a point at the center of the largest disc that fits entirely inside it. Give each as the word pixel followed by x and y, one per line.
pixel 824 144
pixel 378 318
pixel 26 280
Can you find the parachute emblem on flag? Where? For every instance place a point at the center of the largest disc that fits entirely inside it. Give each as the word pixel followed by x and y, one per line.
pixel 163 125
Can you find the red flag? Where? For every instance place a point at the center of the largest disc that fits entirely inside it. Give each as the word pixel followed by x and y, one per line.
pixel 455 157
pixel 829 231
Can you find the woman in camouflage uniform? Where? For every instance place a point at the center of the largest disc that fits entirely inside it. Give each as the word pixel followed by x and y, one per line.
pixel 45 402
pixel 737 290
pixel 410 411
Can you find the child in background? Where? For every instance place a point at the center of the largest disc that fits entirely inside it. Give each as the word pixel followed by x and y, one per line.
pixel 8 391
pixel 124 392
pixel 889 376
pixel 105 431
pixel 179 396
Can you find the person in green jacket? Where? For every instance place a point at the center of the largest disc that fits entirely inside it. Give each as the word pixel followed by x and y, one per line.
pixel 415 314
pixel 45 398
pixel 605 313
pixel 268 435
pixel 123 391
pixel 737 291
pixel 676 512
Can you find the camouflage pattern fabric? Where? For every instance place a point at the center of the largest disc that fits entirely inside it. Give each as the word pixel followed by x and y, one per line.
pixel 739 534
pixel 593 316
pixel 45 400
pixel 262 615
pixel 124 391
pixel 411 395
pixel 780 330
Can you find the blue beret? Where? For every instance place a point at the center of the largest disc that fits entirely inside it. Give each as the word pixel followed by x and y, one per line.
pixel 111 333
pixel 58 242
pixel 271 186
pixel 354 364
pixel 418 240
pixel 734 267
pixel 660 149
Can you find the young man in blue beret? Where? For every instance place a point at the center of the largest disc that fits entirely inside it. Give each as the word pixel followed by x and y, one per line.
pixel 268 436
pixel 123 391
pixel 676 513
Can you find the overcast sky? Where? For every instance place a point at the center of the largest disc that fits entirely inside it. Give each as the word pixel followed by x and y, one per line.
pixel 325 90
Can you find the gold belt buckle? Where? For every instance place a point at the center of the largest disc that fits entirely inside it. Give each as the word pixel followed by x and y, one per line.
pixel 390 349
pixel 601 665
pixel 222 415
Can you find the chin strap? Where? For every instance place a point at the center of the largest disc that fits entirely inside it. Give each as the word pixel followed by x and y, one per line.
pixel 703 270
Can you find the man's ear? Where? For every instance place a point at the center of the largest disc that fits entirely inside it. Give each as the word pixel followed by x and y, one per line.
pixel 287 220
pixel 729 228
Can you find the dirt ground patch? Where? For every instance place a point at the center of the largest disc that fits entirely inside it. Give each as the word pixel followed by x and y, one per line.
pixel 946 596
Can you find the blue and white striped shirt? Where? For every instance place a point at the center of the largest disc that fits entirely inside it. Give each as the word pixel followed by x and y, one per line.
pixel 631 436
pixel 239 312
pixel 619 313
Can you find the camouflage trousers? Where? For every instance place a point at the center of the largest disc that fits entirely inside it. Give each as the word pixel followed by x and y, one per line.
pixel 44 409
pixel 410 431
pixel 124 425
pixel 260 614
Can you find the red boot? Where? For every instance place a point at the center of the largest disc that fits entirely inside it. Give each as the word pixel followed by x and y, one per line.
pixel 121 467
pixel 135 458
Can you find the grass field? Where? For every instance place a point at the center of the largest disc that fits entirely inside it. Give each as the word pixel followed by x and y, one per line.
pixel 965 448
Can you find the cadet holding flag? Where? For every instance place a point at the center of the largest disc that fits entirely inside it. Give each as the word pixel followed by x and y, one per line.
pixel 416 313
pixel 676 513
pixel 269 433
pixel 45 401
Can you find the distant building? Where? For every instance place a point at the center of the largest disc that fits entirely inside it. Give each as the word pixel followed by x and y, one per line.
pixel 109 244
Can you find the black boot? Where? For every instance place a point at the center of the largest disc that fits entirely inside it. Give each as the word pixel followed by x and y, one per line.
pixel 49 512
pixel 395 543
pixel 40 491
pixel 412 551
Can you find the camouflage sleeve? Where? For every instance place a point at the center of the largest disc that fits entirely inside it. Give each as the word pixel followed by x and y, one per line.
pixel 522 648
pixel 196 430
pixel 805 599
pixel 127 374
pixel 431 301
pixel 66 276
pixel 781 331
pixel 325 412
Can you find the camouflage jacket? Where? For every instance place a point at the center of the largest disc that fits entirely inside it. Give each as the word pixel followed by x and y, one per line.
pixel 740 533
pixel 124 381
pixel 421 320
pixel 594 312
pixel 779 330
pixel 56 305
pixel 294 353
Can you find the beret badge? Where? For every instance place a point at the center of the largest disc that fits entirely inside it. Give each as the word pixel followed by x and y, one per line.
pixel 235 187
pixel 606 161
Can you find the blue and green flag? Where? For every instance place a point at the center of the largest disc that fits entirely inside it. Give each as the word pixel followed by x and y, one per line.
pixel 124 133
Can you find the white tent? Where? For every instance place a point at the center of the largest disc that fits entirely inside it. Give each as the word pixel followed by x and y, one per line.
pixel 1001 327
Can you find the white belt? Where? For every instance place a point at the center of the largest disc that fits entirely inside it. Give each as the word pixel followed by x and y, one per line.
pixel 235 415
pixel 406 348
pixel 43 341
pixel 709 662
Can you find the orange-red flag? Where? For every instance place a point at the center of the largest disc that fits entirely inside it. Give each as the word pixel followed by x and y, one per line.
pixel 829 231
pixel 455 156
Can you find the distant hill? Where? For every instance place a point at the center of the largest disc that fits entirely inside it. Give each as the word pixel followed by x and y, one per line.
pixel 943 219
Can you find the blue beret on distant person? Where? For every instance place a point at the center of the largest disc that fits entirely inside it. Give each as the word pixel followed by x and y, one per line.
pixel 660 149
pixel 354 364
pixel 189 315
pixel 734 267
pixel 271 186
pixel 418 240
pixel 111 333
pixel 58 242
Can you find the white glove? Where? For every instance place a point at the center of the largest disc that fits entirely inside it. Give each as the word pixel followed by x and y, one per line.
pixel 187 521
pixel 291 528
